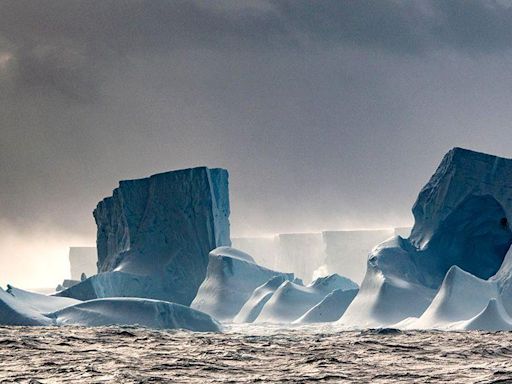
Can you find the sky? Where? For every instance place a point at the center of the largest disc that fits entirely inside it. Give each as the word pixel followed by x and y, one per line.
pixel 327 114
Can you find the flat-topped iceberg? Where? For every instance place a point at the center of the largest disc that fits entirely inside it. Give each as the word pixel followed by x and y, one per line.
pixel 154 235
pixel 231 278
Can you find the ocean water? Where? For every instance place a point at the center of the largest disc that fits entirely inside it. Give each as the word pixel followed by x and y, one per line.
pixel 252 355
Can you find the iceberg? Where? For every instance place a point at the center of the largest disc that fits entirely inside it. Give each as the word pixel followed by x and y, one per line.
pixel 461 218
pixel 492 318
pixel 20 307
pixel 461 297
pixel 330 309
pixel 14 312
pixel 39 302
pixel 134 311
pixel 154 236
pixel 231 278
pixel 290 301
pixel 253 306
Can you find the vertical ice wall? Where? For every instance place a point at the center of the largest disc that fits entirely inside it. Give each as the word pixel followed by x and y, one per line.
pixel 154 235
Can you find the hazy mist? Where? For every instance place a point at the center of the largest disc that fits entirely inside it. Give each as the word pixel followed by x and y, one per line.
pixel 328 115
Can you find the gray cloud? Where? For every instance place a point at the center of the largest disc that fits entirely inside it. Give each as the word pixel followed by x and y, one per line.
pixel 328 114
pixel 66 45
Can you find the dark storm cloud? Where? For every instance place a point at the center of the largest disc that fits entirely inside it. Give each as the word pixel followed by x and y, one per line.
pixel 64 44
pixel 327 114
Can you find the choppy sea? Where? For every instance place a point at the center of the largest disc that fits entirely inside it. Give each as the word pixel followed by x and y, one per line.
pixel 252 355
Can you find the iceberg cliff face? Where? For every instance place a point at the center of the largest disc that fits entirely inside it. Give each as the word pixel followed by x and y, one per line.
pixel 462 218
pixel 154 235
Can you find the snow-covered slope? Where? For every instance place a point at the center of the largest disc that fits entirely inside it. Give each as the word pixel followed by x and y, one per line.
pixel 15 312
pixel 38 302
pixel 503 279
pixel 20 307
pixel 386 295
pixel 331 308
pixel 161 228
pixel 461 297
pixel 233 253
pixel 134 311
pixel 230 281
pixel 461 218
pixel 253 306
pixel 290 301
pixel 492 318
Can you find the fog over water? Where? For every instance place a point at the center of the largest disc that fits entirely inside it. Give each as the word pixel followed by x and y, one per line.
pixel 328 116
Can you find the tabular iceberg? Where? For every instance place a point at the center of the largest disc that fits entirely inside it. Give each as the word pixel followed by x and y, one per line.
pixel 154 236
pixel 231 278
pixel 461 218
pixel 300 253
